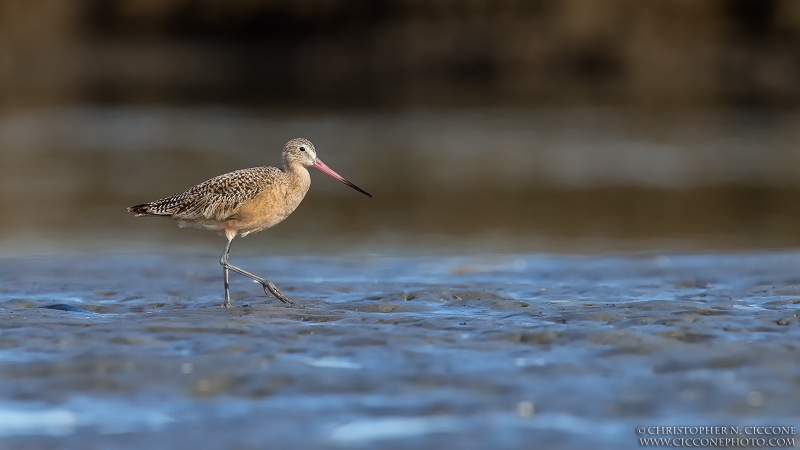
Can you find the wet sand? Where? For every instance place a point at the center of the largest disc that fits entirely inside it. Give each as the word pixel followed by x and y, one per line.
pixel 478 352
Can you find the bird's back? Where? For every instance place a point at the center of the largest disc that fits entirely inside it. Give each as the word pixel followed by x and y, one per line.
pixel 216 199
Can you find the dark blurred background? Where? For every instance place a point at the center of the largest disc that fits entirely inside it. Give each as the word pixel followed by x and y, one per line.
pixel 490 126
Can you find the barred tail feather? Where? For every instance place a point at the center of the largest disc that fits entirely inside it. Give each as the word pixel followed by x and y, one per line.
pixel 143 209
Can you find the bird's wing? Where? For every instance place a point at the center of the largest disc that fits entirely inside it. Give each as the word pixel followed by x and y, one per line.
pixel 216 199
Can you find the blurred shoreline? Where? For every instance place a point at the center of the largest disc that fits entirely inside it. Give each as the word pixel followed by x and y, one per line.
pixel 451 181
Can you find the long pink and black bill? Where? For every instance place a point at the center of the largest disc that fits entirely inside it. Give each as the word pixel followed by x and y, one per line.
pixel 321 166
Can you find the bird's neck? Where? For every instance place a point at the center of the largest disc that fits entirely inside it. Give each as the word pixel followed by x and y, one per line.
pixel 293 168
pixel 299 177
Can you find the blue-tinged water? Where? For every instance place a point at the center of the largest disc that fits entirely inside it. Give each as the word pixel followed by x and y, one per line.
pixel 509 351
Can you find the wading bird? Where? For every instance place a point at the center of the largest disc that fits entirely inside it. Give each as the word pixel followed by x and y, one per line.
pixel 245 201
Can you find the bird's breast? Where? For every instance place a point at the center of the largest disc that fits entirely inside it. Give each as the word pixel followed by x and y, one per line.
pixel 270 207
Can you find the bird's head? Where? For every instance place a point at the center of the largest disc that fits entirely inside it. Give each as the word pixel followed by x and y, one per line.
pixel 301 151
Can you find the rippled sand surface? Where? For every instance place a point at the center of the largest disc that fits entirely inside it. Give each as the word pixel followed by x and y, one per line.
pixel 484 352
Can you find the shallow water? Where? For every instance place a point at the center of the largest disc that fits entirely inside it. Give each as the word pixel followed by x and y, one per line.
pixel 402 352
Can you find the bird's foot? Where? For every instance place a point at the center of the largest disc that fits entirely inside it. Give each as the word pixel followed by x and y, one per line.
pixel 226 304
pixel 270 288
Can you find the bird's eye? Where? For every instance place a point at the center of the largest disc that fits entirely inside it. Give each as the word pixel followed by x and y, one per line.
pixel 302 149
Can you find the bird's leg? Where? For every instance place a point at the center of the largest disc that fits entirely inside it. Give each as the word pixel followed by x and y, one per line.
pixel 223 262
pixel 268 286
pixel 227 302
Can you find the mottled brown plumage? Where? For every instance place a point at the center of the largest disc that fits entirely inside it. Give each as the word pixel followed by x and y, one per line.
pixel 245 201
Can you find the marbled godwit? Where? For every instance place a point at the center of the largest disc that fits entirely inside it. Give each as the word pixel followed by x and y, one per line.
pixel 245 201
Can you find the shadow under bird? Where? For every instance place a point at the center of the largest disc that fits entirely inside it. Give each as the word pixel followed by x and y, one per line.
pixel 245 201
